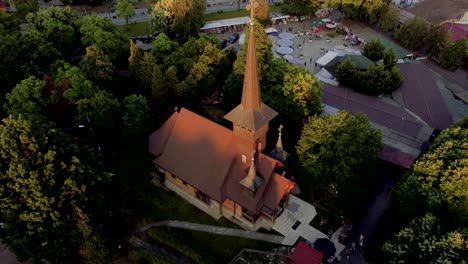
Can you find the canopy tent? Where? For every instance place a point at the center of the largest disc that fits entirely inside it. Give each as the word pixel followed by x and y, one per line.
pixel 362 62
pixel 277 16
pixel 288 57
pixel 325 59
pixel 304 254
pixel 226 23
pixel 286 35
pixel 330 26
pixel 325 246
pixel 270 30
pixel 317 22
pixel 241 39
pixel 284 50
pixel 295 61
pixel 284 43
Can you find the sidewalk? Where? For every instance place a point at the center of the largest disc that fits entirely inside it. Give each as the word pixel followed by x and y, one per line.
pixel 217 230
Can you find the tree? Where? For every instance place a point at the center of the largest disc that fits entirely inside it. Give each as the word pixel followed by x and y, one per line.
pixel 437 180
pixel 300 7
pixel 103 34
pixel 101 109
pixel 45 181
pixel 437 39
pixel 135 114
pixel 347 74
pixel 77 85
pixel 413 33
pixel 24 7
pixel 389 59
pixel 453 54
pixel 426 241
pixel 178 18
pixel 374 49
pixel 263 49
pixel 8 24
pixel 261 11
pixel 333 148
pixel 56 24
pixel 96 65
pixel 232 92
pixel 23 56
pixel 125 10
pixel 389 20
pixel 163 46
pixel 28 99
pixel 293 90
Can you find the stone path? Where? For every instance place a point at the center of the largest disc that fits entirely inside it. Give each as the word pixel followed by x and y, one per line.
pixel 217 230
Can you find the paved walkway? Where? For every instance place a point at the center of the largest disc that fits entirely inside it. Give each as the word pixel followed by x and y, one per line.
pixel 218 230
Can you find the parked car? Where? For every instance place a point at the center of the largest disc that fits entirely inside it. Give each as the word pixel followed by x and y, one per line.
pixel 223 43
pixel 234 37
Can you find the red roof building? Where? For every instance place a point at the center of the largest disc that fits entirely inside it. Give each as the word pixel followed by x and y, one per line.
pixel 304 254
pixel 456 31
pixel 224 170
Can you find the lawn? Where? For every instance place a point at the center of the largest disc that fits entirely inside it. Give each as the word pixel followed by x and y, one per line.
pixel 204 247
pixel 135 29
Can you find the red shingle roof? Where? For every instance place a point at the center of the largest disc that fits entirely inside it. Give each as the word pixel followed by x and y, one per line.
pixel 456 31
pixel 305 254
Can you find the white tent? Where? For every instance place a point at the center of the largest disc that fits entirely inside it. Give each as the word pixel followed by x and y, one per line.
pixel 325 59
pixel 226 23
pixel 241 39
pixel 270 30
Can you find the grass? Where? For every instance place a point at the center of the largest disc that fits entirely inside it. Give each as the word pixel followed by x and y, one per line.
pixel 204 247
pixel 135 29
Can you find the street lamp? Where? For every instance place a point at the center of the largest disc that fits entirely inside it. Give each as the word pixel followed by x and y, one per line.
pixel 92 133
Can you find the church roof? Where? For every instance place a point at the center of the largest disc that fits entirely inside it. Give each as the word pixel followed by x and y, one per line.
pixel 209 157
pixel 251 113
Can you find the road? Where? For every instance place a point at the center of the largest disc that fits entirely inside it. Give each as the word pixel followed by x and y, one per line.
pixel 142 16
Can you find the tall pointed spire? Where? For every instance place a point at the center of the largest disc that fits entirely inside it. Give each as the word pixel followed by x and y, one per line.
pixel 279 143
pixel 251 117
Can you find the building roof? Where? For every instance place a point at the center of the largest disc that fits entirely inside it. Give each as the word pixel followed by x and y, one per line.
pixel 362 62
pixel 437 11
pixel 251 113
pixel 305 254
pixel 397 156
pixel 422 96
pixel 405 15
pixel 209 157
pixel 456 31
pixel 226 22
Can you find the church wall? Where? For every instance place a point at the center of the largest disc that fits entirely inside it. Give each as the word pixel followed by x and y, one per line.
pixel 179 183
pixel 252 136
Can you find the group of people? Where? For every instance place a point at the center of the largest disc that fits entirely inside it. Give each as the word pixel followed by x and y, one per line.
pixel 351 250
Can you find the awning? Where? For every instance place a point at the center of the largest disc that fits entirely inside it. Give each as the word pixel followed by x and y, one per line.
pixel 270 30
pixel 325 59
pixel 304 254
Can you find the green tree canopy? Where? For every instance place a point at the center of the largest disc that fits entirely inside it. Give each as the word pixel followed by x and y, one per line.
pixel 262 12
pixel 163 46
pixel 333 148
pixel 263 48
pixel 453 54
pixel 103 34
pixel 300 7
pixel 102 110
pixel 57 25
pixel 389 20
pixel 426 241
pixel 125 9
pixel 8 24
pixel 292 90
pixel 45 182
pixel 24 7
pixel 437 39
pixel 389 59
pixel 347 73
pixel 437 180
pixel 374 49
pixel 96 65
pixel 178 18
pixel 413 33
pixel 135 114
pixel 28 99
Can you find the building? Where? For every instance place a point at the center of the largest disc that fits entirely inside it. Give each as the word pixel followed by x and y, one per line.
pixel 436 11
pixel 456 30
pixel 225 172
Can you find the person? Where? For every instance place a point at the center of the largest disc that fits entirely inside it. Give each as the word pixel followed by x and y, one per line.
pixel 361 241
pixel 353 246
pixel 311 59
pixel 305 63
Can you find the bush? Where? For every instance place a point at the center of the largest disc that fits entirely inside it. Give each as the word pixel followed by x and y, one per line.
pixel 374 50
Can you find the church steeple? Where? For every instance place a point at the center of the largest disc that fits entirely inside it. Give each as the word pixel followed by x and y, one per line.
pixel 279 153
pixel 250 119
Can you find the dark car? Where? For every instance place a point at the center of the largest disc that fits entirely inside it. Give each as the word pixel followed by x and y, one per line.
pixel 223 43
pixel 234 37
